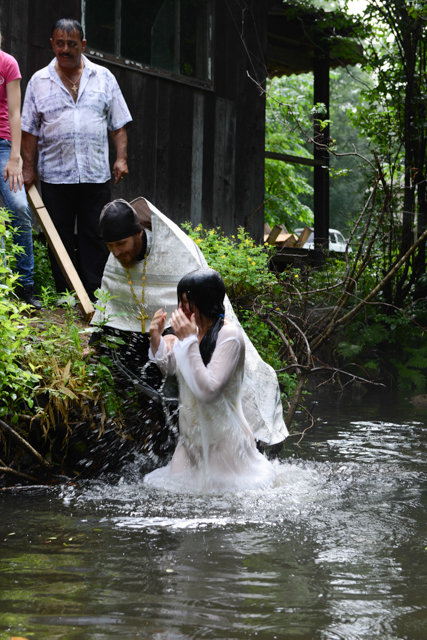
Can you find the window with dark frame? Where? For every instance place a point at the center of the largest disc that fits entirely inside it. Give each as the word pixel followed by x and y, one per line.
pixel 169 35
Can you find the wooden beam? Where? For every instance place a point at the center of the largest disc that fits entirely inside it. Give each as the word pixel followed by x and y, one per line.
pixel 67 267
pixel 287 157
pixel 303 237
pixel 321 154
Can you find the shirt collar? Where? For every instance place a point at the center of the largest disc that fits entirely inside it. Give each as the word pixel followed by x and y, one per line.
pixel 51 71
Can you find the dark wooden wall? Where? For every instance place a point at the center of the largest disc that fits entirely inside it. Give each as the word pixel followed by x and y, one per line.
pixel 197 154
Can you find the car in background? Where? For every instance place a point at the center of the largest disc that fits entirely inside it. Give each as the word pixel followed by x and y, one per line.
pixel 337 242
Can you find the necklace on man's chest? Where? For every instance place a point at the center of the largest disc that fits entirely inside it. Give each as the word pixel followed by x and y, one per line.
pixel 73 87
pixel 140 303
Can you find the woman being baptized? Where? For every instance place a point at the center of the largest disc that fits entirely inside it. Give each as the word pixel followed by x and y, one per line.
pixel 216 449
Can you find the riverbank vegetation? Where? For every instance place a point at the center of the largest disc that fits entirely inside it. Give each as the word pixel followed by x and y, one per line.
pixel 56 404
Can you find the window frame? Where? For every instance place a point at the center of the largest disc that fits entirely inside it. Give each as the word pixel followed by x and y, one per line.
pixel 133 65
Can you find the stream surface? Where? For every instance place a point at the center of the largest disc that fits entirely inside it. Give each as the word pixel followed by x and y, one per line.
pixel 337 550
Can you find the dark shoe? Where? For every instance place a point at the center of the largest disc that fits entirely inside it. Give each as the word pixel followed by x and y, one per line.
pixel 26 293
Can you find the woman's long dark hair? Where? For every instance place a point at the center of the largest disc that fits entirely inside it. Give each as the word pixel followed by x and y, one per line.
pixel 205 290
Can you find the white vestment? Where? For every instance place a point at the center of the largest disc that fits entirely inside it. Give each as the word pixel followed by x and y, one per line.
pixel 172 255
pixel 216 449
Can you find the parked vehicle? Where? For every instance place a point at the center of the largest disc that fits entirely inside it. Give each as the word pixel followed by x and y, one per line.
pixel 337 242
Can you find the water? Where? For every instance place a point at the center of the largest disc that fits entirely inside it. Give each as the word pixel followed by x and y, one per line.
pixel 338 550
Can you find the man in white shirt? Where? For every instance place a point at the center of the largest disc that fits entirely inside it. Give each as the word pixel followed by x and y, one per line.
pixel 69 108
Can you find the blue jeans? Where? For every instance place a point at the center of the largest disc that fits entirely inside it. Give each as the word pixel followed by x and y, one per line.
pixel 17 205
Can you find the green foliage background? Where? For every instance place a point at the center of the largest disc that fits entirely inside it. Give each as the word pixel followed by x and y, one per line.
pixel 289 130
pixel 288 186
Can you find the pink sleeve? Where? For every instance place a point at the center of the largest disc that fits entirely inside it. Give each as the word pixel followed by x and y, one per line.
pixel 11 69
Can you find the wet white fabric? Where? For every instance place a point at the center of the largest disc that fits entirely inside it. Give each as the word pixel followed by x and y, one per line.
pixel 216 449
pixel 172 255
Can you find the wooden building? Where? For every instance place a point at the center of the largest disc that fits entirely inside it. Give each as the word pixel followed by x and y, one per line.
pixel 192 73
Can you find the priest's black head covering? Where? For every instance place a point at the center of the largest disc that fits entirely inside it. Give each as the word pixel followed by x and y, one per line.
pixel 118 220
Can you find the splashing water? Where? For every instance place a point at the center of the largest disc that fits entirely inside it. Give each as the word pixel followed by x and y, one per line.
pixel 334 551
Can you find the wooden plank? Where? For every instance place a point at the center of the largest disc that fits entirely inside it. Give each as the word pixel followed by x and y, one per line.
pixel 224 207
pixel 274 233
pixel 279 236
pixel 303 237
pixel 67 267
pixel 197 159
pixel 286 240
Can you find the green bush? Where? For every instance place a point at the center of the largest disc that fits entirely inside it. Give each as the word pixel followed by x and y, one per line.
pixel 242 263
pixel 17 384
pixel 43 370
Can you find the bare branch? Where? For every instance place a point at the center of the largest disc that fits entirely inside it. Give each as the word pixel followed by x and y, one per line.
pixel 25 444
pixel 19 474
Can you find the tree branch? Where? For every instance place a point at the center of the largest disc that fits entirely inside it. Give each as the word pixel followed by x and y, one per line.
pixel 25 444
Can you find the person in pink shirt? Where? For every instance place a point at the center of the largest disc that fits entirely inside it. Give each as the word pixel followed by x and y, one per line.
pixel 11 187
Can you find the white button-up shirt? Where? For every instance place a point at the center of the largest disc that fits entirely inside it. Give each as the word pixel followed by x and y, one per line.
pixel 73 136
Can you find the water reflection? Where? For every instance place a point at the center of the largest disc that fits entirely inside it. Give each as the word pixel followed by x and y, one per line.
pixel 335 551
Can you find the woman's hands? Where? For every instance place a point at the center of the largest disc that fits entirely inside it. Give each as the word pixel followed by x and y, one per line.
pixel 182 326
pixel 157 327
